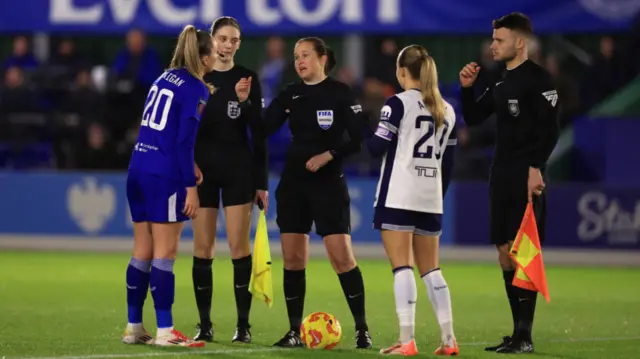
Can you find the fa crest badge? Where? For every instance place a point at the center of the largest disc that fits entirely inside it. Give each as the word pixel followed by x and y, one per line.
pixel 325 119
pixel 233 110
pixel 514 108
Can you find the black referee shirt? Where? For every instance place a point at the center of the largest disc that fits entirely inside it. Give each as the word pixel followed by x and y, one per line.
pixel 223 138
pixel 526 105
pixel 322 117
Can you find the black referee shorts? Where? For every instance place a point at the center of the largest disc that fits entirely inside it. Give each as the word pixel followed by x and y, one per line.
pixel 233 184
pixel 325 202
pixel 508 202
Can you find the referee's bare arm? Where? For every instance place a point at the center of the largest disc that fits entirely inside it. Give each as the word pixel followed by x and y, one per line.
pixel 546 104
pixel 475 111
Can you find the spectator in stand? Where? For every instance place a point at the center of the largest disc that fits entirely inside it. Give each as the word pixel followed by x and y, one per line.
pixel 21 56
pixel 137 62
pixel 15 94
pixel 66 62
pixel 382 67
pixel 272 71
pixel 97 152
pixel 605 76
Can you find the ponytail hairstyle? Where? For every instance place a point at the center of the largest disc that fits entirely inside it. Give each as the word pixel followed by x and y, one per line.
pixel 321 48
pixel 192 46
pixel 422 67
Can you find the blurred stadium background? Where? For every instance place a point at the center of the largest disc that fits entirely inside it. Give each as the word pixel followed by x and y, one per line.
pixel 75 74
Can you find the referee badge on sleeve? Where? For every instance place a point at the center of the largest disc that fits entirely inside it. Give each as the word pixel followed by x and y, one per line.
pixel 325 119
pixel 514 108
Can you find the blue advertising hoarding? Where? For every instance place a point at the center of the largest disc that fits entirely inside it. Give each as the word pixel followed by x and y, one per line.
pixel 313 16
pixel 95 205
pixel 578 216
pixel 92 204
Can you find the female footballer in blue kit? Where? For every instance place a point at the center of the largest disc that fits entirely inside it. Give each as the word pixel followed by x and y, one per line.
pixel 161 184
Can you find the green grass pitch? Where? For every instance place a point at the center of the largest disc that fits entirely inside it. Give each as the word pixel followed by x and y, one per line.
pixel 72 306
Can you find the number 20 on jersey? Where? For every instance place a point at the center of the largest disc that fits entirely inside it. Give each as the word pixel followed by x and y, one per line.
pixel 150 114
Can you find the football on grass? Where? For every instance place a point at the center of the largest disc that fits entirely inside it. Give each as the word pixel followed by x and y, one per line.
pixel 320 330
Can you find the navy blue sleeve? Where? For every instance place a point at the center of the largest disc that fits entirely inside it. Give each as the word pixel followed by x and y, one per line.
pixel 448 159
pixel 390 117
pixel 193 104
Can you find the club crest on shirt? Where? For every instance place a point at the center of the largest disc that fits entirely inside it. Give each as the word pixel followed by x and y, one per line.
pixel 514 108
pixel 325 119
pixel 201 105
pixel 233 110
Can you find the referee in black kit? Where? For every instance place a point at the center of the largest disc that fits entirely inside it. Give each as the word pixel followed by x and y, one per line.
pixel 234 170
pixel 526 105
pixel 312 188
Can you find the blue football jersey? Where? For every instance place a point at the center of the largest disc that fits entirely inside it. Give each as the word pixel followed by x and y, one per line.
pixel 165 145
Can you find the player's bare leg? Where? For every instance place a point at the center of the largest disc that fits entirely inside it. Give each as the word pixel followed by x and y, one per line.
pixel 295 254
pixel 340 254
pixel 238 228
pixel 166 237
pixel 426 251
pixel 398 247
pixel 138 284
pixel 520 341
pixel 204 241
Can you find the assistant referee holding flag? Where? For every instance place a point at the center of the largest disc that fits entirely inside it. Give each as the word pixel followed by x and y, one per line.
pixel 526 105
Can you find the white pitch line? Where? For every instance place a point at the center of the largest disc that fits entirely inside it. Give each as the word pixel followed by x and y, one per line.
pixel 154 354
pixel 264 350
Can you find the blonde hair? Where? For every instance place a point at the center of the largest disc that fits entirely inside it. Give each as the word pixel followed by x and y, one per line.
pixel 422 67
pixel 192 45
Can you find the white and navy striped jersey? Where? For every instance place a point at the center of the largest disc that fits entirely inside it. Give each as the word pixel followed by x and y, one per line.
pixel 411 177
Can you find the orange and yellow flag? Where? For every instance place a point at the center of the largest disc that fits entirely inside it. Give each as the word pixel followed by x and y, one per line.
pixel 527 254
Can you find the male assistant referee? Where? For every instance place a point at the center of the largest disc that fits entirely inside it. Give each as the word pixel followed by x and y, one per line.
pixel 526 106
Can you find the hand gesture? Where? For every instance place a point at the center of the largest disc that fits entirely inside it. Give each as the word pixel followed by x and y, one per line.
pixel 199 176
pixel 263 196
pixel 192 203
pixel 243 87
pixel 469 74
pixel 536 183
pixel 318 161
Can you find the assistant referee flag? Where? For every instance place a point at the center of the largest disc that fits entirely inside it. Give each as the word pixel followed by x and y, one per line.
pixel 527 253
pixel 261 284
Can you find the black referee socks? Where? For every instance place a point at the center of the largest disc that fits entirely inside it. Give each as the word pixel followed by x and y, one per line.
pixel 295 287
pixel 526 310
pixel 512 296
pixel 202 274
pixel 353 288
pixel 241 278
